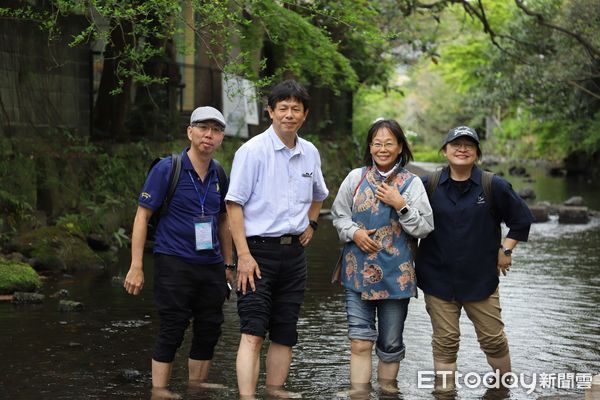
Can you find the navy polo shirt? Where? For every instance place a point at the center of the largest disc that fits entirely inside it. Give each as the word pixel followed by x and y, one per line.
pixel 175 234
pixel 458 260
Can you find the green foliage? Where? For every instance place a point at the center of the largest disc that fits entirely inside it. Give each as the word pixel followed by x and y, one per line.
pixel 370 103
pixel 331 43
pixel 15 276
pixel 121 238
pixel 423 153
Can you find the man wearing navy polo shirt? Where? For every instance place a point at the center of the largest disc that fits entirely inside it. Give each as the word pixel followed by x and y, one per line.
pixel 273 202
pixel 192 248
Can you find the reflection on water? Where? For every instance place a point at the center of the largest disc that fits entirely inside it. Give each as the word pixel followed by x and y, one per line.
pixel 550 304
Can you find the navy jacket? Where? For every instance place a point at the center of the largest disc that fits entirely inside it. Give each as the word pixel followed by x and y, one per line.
pixel 458 260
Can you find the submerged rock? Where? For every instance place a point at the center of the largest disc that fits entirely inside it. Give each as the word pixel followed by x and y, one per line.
pixel 575 201
pixel 540 212
pixel 518 171
pixel 527 194
pixel 69 305
pixel 573 215
pixel 27 298
pixel 61 293
pixel 57 249
pixel 130 375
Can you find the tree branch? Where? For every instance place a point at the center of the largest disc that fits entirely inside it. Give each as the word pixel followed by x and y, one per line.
pixel 592 51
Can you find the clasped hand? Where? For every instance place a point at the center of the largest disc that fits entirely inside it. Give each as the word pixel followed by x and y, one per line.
pixel 390 196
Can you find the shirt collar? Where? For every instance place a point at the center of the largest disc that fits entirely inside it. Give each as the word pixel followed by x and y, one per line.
pixel 278 144
pixel 475 175
pixel 186 163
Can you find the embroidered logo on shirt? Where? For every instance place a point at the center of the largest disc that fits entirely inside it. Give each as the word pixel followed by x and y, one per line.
pixel 146 195
pixel 480 200
pixel 307 174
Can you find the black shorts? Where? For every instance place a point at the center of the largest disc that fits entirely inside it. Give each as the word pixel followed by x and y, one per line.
pixel 275 306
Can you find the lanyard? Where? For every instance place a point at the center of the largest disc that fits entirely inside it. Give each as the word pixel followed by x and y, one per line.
pixel 202 199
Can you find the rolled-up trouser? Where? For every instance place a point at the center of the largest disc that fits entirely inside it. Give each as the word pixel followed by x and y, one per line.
pixel 390 315
pixel 183 291
pixel 485 315
pixel 274 307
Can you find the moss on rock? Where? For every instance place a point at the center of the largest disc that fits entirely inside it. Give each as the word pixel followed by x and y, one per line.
pixel 17 277
pixel 56 248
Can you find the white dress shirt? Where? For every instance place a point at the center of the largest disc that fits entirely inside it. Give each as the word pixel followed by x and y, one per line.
pixel 275 185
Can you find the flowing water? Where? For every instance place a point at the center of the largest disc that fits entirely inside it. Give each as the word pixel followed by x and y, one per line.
pixel 551 308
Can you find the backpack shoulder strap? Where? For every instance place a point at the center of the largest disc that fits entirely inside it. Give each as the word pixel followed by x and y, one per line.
pixel 433 180
pixel 223 181
pixel 486 181
pixel 173 179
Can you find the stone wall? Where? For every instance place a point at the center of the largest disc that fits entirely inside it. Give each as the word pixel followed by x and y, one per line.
pixel 43 83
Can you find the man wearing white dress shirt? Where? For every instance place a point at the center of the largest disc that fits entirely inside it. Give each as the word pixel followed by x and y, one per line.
pixel 275 195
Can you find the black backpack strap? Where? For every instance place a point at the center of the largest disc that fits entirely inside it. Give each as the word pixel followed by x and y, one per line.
pixel 433 180
pixel 223 181
pixel 173 179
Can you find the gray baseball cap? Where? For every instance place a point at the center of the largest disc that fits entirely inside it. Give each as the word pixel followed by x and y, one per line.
pixel 207 113
pixel 460 131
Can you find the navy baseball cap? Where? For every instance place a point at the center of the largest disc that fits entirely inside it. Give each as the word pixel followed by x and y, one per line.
pixel 461 131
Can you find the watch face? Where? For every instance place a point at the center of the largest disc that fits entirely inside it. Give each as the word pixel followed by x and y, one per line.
pixel 507 252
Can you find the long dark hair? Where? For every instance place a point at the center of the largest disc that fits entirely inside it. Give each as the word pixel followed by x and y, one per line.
pixel 405 156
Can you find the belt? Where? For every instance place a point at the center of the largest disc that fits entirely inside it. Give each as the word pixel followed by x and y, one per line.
pixel 285 239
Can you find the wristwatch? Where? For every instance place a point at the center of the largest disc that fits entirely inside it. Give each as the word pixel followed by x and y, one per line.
pixel 404 210
pixel 230 267
pixel 507 252
pixel 313 224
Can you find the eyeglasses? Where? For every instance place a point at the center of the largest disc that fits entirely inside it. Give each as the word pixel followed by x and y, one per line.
pixel 387 146
pixel 203 128
pixel 463 146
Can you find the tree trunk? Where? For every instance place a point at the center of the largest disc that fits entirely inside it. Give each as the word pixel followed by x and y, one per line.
pixel 110 109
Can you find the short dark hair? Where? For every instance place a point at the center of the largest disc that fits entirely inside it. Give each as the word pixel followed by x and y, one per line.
pixel 404 157
pixel 289 89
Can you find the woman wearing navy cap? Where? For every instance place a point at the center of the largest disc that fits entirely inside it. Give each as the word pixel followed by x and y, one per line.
pixel 458 264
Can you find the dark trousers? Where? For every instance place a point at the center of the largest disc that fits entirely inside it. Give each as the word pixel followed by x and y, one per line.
pixel 275 306
pixel 183 291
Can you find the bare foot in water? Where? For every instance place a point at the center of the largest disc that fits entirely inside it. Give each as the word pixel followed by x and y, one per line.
pixel 163 394
pixel 388 387
pixel 206 385
pixel 278 392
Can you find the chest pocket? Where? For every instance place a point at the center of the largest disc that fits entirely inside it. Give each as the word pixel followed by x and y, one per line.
pixel 305 186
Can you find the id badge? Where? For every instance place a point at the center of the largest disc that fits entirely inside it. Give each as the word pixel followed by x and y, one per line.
pixel 203 229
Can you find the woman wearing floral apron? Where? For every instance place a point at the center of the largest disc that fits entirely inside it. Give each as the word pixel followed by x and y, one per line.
pixel 379 212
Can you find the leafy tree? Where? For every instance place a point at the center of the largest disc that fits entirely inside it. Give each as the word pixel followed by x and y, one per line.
pixel 333 44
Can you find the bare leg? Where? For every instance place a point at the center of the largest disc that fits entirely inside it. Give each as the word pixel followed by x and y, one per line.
pixel 161 373
pixel 248 364
pixel 198 369
pixel 386 376
pixel 198 375
pixel 360 361
pixel 279 358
